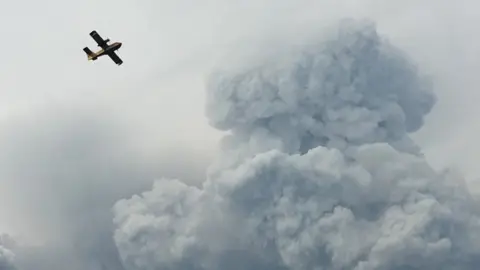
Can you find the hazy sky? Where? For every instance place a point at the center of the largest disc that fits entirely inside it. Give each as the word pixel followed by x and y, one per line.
pixel 146 117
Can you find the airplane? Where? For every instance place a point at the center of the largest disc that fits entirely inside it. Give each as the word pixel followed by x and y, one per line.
pixel 106 49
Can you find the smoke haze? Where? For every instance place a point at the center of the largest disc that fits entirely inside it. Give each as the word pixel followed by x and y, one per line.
pixel 7 257
pixel 80 162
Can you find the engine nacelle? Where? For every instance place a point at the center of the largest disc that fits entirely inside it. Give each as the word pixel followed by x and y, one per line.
pixel 107 40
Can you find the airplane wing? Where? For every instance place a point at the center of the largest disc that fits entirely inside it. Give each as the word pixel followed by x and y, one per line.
pixel 100 41
pixel 115 58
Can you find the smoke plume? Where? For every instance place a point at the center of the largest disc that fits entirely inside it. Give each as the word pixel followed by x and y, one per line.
pixel 318 172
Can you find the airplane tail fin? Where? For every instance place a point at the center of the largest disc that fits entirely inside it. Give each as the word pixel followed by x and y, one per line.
pixel 90 54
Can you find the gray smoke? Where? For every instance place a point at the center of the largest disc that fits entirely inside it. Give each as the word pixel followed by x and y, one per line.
pixel 66 166
pixel 7 257
pixel 318 172
pixel 349 91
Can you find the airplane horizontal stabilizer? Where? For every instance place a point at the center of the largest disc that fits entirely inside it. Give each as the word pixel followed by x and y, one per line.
pixel 89 53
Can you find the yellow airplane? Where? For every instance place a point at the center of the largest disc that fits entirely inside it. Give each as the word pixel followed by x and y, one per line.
pixel 106 49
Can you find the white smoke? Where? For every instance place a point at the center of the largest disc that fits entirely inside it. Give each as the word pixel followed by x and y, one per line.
pixel 318 173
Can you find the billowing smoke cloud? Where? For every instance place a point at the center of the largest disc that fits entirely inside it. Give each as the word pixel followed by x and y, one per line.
pixel 7 257
pixel 318 173
pixel 349 91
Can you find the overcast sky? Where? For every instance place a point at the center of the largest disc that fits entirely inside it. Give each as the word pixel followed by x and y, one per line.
pixel 146 117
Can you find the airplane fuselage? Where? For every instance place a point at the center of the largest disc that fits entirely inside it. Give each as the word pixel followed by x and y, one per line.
pixel 111 48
